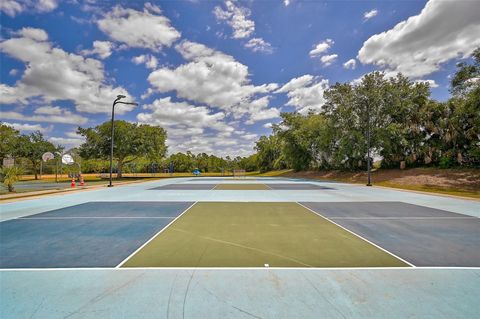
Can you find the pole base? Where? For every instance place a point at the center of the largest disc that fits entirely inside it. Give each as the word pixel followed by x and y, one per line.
pixel 109 185
pixel 369 184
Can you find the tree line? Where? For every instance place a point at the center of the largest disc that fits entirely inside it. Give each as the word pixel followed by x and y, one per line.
pixel 405 125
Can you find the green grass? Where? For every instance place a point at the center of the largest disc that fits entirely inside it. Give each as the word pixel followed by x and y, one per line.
pixel 222 234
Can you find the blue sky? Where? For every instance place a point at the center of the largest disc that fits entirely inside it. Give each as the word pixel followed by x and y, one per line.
pixel 215 74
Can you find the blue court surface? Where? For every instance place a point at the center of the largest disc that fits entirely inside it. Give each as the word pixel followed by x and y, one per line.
pixel 60 255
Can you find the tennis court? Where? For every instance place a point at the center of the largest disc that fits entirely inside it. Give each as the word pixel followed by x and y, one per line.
pixel 198 241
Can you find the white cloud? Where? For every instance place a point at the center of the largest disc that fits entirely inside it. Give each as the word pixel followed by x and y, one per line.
pixel 101 48
pixel 14 7
pixel 305 93
pixel 13 72
pixel 259 45
pixel 267 125
pixel 321 48
pixel 237 18
pixel 431 83
pixel 34 34
pixel 286 3
pixel 210 77
pixel 52 74
pixel 146 29
pixel 67 142
pixel 350 64
pixel 46 5
pixel 30 127
pixel 443 30
pixel 51 114
pixel 10 7
pixel 150 61
pixel 370 14
pixel 328 59
pixel 183 117
pixel 196 128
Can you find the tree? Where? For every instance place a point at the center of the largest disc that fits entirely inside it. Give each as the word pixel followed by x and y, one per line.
pixel 269 153
pixel 10 140
pixel 131 140
pixel 467 75
pixel 10 175
pixel 32 147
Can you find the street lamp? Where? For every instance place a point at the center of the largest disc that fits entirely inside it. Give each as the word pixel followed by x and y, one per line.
pixel 117 101
pixel 369 182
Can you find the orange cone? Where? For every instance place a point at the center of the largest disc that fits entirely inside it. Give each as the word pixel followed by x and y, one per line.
pixel 72 185
pixel 82 182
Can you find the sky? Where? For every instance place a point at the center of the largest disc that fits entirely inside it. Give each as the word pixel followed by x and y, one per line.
pixel 214 74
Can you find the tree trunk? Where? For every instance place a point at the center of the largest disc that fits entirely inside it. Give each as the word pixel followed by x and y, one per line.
pixel 119 168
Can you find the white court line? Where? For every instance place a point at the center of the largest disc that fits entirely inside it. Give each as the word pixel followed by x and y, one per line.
pixel 351 232
pixel 268 186
pixel 239 268
pixel 99 217
pixel 161 230
pixel 214 187
pixel 394 218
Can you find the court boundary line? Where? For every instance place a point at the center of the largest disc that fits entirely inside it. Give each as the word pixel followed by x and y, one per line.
pixel 401 218
pixel 154 236
pixel 97 217
pixel 240 268
pixel 357 235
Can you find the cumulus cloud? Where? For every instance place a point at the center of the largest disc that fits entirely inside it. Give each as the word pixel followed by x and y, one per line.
pixel 51 114
pixel 321 48
pixel 259 45
pixel 14 7
pixel 286 3
pixel 29 127
pixel 183 117
pixel 149 60
pixel 431 83
pixel 305 93
pixel 140 29
pixel 328 59
pixel 370 14
pixel 101 48
pixel 237 18
pixel 196 128
pixel 350 64
pixel 418 46
pixel 210 77
pixel 54 74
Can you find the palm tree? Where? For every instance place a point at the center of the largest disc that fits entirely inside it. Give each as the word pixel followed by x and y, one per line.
pixel 10 175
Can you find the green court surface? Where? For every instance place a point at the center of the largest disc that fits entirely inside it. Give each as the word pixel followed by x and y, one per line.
pixel 241 187
pixel 252 234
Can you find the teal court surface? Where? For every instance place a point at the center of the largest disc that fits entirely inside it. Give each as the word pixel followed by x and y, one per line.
pixel 248 248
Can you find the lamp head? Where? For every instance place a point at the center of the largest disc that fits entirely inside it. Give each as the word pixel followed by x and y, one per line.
pixel 121 96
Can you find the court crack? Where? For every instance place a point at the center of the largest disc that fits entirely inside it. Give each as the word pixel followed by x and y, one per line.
pixel 243 246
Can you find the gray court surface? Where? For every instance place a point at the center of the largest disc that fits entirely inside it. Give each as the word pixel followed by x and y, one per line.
pixel 286 186
pixel 82 236
pixel 297 186
pixel 421 235
pixel 185 187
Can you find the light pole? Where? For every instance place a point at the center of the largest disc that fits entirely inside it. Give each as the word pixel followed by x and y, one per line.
pixel 368 146
pixel 117 101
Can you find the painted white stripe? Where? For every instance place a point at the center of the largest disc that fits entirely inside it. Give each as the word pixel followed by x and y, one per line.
pixel 99 217
pixel 148 241
pixel 351 232
pixel 394 218
pixel 240 268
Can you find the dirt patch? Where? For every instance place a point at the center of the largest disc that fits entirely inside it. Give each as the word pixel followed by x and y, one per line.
pixel 448 180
